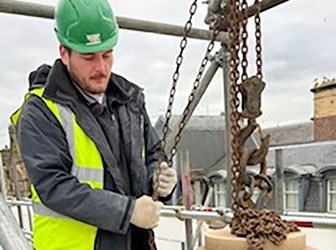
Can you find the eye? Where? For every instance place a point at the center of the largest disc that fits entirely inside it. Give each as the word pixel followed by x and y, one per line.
pixel 88 58
pixel 107 55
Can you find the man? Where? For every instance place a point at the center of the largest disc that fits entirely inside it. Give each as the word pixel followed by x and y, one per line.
pixel 87 142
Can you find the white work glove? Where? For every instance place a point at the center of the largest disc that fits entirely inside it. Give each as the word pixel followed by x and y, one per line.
pixel 146 213
pixel 167 179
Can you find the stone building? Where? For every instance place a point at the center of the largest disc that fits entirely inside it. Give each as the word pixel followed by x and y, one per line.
pixel 325 110
pixel 308 154
pixel 16 181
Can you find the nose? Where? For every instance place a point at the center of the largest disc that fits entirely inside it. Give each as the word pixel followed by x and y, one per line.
pixel 99 63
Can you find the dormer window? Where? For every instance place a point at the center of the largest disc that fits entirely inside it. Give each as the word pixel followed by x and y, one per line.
pixel 332 195
pixel 291 195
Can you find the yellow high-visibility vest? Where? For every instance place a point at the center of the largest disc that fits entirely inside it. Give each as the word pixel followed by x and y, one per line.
pixel 51 230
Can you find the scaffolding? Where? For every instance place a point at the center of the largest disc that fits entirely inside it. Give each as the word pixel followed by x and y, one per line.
pixel 18 234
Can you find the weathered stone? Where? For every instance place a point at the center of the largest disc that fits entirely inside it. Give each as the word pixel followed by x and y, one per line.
pixel 19 173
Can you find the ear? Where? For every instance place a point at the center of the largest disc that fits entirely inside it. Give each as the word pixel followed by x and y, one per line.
pixel 64 54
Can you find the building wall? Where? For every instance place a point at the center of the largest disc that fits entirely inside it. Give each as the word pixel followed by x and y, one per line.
pixel 325 111
pixel 325 103
pixel 325 129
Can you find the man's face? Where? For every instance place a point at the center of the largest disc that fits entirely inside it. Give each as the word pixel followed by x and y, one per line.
pixel 90 71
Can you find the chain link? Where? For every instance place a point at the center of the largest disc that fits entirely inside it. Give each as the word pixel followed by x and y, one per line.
pixel 191 97
pixel 258 47
pixel 244 37
pixel 234 102
pixel 176 75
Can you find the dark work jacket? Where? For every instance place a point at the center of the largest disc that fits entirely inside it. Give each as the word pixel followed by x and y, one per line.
pixel 47 158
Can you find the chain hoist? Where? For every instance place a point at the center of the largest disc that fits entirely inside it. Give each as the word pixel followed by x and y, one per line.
pixel 186 111
pixel 250 219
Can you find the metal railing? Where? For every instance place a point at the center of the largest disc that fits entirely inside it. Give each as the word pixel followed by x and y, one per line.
pixel 317 220
pixel 11 235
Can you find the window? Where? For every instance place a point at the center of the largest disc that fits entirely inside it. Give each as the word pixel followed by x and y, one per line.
pixel 220 194
pixel 332 195
pixel 291 196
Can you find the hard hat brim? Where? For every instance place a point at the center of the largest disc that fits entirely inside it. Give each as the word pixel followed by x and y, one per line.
pixel 92 48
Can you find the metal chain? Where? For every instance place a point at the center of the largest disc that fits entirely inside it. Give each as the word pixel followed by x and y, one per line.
pixel 176 75
pixel 258 47
pixel 261 225
pixel 244 35
pixel 186 111
pixel 241 43
pixel 191 97
pixel 234 102
pixel 244 16
pixel 256 225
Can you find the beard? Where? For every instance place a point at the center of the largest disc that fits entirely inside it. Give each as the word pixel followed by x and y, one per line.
pixel 89 84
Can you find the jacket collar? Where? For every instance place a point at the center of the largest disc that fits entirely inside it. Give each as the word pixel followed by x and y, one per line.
pixel 60 87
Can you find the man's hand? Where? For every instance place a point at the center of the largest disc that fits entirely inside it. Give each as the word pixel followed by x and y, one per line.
pixel 146 213
pixel 167 179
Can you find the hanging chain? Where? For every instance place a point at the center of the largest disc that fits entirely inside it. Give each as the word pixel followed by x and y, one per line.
pixel 256 225
pixel 258 47
pixel 182 123
pixel 176 75
pixel 191 97
pixel 234 102
pixel 244 36
pixel 186 111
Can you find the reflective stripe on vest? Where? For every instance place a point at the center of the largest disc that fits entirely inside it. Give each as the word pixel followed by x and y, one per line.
pixel 53 231
pixel 84 173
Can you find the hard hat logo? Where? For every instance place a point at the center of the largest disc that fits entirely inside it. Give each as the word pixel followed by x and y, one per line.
pixel 93 39
pixel 86 26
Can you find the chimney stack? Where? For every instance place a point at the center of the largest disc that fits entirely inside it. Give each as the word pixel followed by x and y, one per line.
pixel 324 110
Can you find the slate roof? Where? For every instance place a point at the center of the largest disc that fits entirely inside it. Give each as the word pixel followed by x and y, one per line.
pixel 291 134
pixel 309 158
pixel 301 154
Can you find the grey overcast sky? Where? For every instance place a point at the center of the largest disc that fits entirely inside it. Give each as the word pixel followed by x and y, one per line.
pixel 298 46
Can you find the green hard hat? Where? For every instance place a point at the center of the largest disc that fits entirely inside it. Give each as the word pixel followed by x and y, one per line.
pixel 86 26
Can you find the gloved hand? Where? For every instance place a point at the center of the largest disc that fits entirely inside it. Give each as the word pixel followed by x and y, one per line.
pixel 167 179
pixel 146 213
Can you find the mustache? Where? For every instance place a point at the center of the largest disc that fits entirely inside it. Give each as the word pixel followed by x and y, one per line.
pixel 98 75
